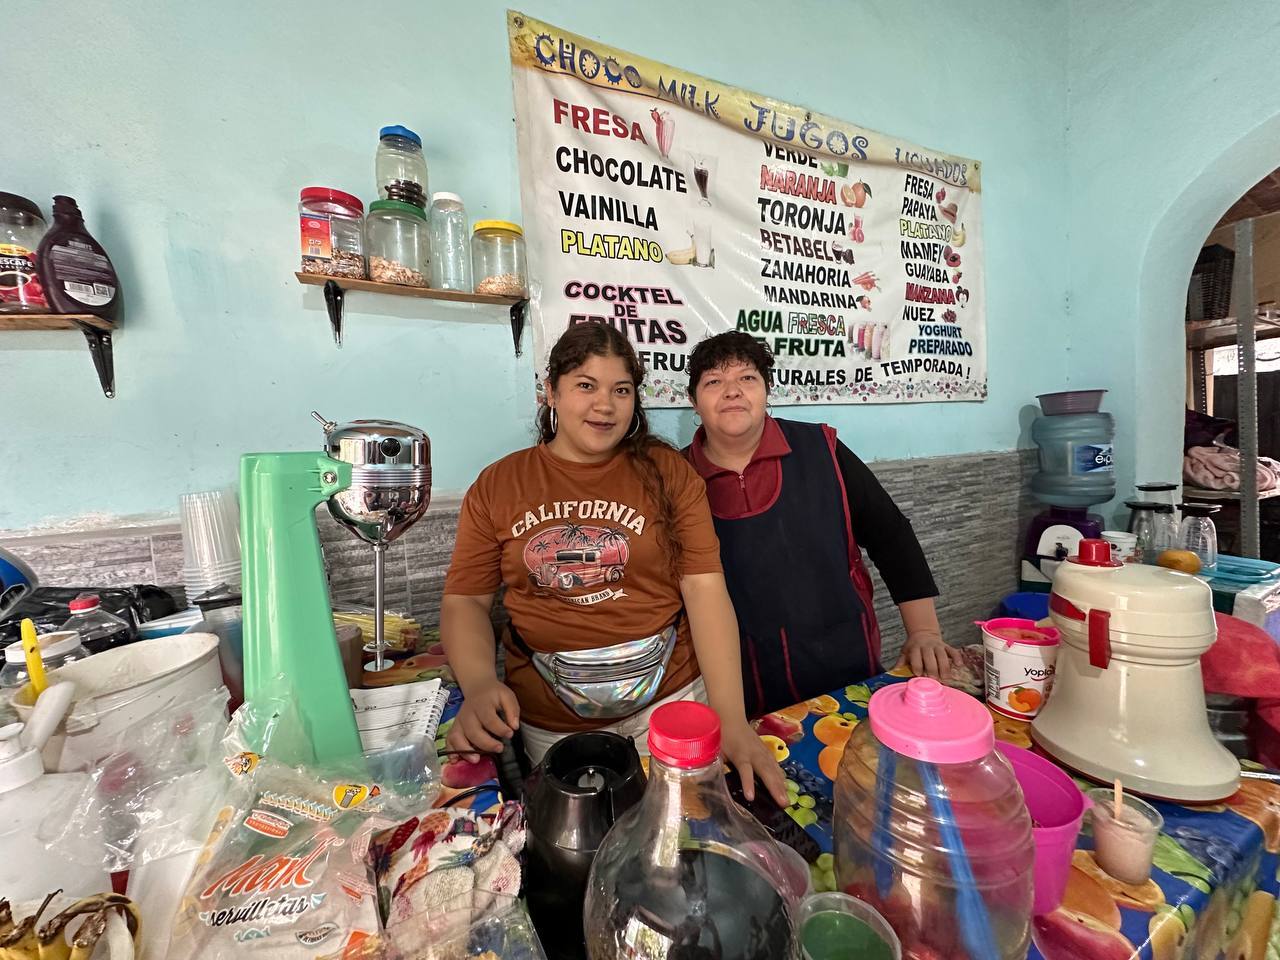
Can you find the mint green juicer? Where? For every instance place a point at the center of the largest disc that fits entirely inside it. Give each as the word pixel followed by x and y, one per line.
pixel 375 477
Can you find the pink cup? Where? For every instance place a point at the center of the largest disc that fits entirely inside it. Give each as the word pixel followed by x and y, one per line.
pixel 1057 808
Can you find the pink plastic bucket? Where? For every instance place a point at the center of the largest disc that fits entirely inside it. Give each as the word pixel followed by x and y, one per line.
pixel 1057 807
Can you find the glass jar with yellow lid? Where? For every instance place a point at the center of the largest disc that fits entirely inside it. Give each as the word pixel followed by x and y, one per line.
pixel 498 259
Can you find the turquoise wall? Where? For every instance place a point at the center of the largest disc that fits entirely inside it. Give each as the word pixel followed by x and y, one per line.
pixel 185 131
pixel 1174 113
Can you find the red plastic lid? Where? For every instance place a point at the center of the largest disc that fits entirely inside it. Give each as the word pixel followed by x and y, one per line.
pixel 1095 553
pixel 684 734
pixel 327 195
pixel 84 603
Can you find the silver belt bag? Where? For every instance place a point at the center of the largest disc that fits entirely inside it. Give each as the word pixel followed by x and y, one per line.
pixel 606 683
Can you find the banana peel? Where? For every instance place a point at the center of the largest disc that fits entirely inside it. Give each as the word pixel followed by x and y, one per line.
pixel 23 941
pixel 20 942
pixel 53 944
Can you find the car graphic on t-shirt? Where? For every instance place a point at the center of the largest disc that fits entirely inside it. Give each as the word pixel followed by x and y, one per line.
pixel 573 555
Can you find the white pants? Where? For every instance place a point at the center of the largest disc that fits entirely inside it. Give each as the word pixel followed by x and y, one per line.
pixel 538 741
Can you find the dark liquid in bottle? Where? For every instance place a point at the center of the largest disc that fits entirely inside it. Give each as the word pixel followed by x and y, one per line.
pixel 109 640
pixel 700 178
pixel 718 909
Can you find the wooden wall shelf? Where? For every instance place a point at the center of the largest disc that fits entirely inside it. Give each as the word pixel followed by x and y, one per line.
pixel 97 332
pixel 336 289
pixel 52 321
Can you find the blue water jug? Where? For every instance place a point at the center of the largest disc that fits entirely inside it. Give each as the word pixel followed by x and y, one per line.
pixel 1076 468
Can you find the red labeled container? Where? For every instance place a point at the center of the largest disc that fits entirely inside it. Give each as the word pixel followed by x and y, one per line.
pixel 332 232
pixel 22 227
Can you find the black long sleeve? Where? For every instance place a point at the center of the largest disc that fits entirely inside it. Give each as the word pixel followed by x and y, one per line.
pixel 884 531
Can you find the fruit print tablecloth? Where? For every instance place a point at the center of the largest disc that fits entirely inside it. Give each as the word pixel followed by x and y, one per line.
pixel 470 785
pixel 1212 894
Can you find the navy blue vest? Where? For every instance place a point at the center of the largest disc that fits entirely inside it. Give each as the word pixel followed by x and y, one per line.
pixel 804 624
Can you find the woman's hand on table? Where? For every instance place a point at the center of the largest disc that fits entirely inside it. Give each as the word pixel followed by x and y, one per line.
pixel 489 715
pixel 744 749
pixel 928 655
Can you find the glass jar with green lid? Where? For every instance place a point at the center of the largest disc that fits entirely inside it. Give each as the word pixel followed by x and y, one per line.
pixel 398 243
pixel 498 259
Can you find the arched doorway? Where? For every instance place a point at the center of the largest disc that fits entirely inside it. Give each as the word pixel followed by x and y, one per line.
pixel 1160 367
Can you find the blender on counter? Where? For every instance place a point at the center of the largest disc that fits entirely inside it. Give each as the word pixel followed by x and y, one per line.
pixel 375 477
pixel 1128 697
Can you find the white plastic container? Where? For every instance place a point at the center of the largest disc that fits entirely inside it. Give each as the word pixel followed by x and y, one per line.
pixel 1124 546
pixel 1020 660
pixel 28 871
pixel 56 650
pixel 117 688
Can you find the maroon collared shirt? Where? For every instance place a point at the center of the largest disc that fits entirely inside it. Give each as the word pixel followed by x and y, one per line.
pixel 877 524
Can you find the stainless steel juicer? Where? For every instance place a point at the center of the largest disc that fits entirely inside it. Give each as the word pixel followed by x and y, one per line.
pixel 390 490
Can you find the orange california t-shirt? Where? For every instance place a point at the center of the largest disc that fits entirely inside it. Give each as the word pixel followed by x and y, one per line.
pixel 578 548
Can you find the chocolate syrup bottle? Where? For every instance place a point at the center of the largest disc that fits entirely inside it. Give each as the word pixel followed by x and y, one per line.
pixel 75 271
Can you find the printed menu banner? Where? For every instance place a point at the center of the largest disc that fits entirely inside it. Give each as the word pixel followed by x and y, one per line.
pixel 675 207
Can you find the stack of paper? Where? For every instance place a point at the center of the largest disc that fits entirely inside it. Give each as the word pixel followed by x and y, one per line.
pixel 389 715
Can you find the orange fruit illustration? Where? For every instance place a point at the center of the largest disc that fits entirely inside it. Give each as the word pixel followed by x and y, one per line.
pixel 1024 700
pixel 829 760
pixel 833 730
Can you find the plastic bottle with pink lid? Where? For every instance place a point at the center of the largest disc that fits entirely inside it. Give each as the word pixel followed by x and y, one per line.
pixel 931 827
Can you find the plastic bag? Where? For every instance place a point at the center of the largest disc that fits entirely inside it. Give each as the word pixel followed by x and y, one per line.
pixel 150 797
pixel 50 607
pixel 448 859
pixel 158 790
pixel 284 872
pixel 453 932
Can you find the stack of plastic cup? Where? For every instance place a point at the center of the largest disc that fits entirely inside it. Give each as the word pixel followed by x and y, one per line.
pixel 210 541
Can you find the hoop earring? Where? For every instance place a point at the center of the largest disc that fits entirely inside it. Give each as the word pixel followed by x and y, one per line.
pixel 635 428
pixel 555 422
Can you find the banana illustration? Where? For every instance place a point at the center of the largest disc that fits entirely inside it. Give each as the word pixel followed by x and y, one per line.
pixel 681 257
pixel 957 236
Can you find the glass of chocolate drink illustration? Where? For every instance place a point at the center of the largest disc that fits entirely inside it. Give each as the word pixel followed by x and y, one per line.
pixel 704 168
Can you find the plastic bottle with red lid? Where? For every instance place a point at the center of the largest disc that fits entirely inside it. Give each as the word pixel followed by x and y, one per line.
pixel 687 872
pixel 99 629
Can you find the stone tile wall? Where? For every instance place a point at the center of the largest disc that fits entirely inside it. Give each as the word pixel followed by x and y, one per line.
pixel 969 512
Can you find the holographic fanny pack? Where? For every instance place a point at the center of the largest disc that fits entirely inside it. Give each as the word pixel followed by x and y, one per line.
pixel 606 683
